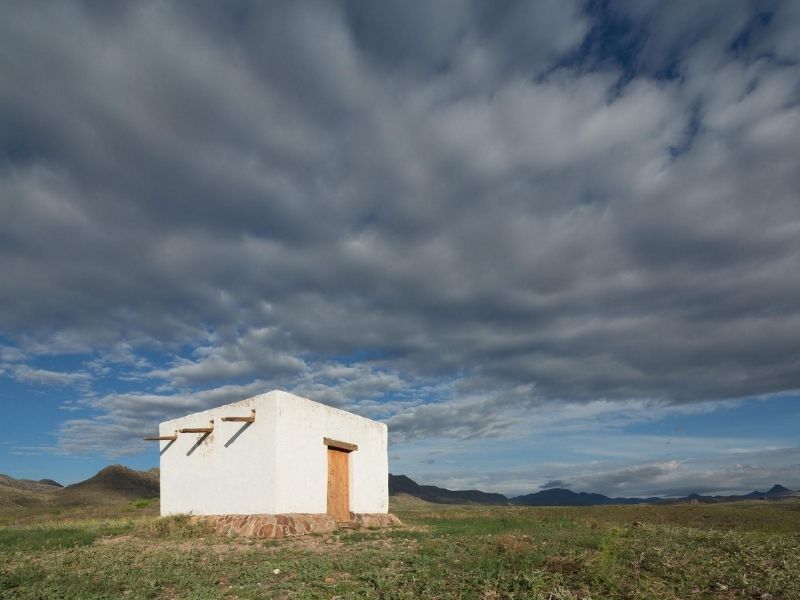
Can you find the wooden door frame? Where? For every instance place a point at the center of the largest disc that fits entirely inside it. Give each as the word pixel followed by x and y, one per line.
pixel 339 447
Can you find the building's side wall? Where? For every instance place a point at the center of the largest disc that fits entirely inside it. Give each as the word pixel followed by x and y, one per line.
pixel 231 471
pixel 302 464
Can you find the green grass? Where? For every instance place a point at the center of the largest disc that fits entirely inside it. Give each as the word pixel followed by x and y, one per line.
pixel 725 551
pixel 143 503
pixel 52 536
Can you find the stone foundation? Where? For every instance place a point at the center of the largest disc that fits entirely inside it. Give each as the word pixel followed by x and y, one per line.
pixel 375 520
pixel 279 526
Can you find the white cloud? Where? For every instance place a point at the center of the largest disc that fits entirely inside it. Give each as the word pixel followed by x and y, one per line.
pixel 28 374
pixel 10 354
pixel 253 352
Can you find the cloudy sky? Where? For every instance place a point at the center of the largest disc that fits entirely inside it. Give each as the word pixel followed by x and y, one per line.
pixel 549 243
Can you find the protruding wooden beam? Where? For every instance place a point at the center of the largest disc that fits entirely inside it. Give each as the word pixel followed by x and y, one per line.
pixel 165 438
pixel 208 429
pixel 346 446
pixel 250 419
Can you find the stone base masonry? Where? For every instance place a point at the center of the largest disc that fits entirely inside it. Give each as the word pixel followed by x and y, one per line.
pixel 279 526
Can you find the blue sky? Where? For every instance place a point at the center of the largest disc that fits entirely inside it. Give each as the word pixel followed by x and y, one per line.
pixel 551 243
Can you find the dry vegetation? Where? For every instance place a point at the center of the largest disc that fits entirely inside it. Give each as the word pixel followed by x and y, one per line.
pixel 743 550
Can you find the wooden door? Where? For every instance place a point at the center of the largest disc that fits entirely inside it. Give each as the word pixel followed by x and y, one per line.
pixel 338 485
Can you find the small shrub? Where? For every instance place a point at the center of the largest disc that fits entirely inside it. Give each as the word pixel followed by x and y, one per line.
pixel 509 543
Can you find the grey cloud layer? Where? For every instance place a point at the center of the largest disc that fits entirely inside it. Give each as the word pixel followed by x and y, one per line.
pixel 484 193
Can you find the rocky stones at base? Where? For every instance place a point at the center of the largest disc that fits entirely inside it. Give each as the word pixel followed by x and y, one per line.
pixel 279 526
pixel 376 520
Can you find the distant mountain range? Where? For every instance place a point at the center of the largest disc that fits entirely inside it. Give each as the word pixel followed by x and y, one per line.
pixel 23 493
pixel 118 484
pixel 776 492
pixel 564 497
pixel 401 484
pixel 111 485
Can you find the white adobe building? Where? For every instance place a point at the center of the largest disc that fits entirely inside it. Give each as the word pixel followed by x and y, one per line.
pixel 275 453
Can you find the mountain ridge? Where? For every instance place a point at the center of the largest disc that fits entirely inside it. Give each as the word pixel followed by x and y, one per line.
pixel 111 484
pixel 776 492
pixel 566 497
pixel 29 485
pixel 402 484
pixel 117 483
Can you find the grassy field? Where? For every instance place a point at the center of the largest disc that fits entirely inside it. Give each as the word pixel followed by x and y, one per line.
pixel 743 550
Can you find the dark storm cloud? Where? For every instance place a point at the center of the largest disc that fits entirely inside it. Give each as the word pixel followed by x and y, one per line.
pixel 497 195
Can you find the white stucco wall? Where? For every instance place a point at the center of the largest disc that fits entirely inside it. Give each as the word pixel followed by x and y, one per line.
pixel 303 458
pixel 230 471
pixel 276 465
